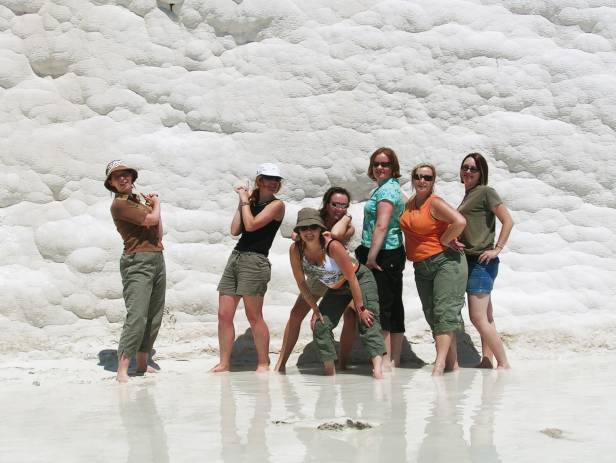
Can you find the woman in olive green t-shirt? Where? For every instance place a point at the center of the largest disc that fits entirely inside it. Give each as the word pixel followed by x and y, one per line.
pixel 480 206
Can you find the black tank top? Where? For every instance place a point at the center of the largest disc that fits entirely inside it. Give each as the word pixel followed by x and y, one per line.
pixel 259 240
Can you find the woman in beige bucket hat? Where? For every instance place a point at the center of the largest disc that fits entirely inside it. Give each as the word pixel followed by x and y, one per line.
pixel 142 266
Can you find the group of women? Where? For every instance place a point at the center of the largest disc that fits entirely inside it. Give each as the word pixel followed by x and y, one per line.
pixel 453 252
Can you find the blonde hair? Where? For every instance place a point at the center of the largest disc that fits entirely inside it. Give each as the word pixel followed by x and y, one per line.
pixel 254 197
pixel 421 166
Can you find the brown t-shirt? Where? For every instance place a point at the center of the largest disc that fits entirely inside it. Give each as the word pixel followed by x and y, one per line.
pixel 128 215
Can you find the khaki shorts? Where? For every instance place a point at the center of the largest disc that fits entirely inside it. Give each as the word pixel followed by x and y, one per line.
pixel 246 274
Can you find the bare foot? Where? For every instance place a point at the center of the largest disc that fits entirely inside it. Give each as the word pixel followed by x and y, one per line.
pixel 438 370
pixel 329 368
pixel 485 363
pixel 503 366
pixel 149 369
pixel 262 368
pixel 282 369
pixel 454 367
pixel 122 377
pixel 220 368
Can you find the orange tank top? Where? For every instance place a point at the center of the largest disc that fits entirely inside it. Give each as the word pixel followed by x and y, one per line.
pixel 422 232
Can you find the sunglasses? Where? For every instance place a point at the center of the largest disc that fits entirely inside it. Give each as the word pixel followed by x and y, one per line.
pixel 309 227
pixel 384 165
pixel 471 169
pixel 427 178
pixel 339 205
pixel 271 178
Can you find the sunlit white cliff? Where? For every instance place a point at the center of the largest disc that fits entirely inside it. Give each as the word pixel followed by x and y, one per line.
pixel 197 95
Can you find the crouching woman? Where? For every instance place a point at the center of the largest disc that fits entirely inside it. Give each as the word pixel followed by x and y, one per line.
pixel 314 256
pixel 142 267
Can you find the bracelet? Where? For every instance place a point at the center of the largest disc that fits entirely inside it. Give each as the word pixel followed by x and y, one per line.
pixel 498 245
pixel 361 309
pixel 244 203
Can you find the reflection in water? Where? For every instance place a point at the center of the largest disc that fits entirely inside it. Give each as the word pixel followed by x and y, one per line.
pixel 444 434
pixel 254 446
pixel 379 404
pixel 145 434
pixel 482 429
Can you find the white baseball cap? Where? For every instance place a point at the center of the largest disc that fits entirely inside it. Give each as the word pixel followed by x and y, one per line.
pixel 269 169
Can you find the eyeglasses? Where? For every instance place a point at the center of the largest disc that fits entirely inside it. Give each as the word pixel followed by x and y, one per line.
pixel 121 173
pixel 309 227
pixel 471 169
pixel 384 165
pixel 271 178
pixel 339 205
pixel 427 178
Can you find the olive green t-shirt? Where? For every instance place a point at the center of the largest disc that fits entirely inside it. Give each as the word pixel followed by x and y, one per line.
pixel 476 207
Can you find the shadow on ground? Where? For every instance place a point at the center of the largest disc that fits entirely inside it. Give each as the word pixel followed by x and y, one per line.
pixel 108 359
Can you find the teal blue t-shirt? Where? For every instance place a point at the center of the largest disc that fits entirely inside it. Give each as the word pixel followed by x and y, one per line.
pixel 389 191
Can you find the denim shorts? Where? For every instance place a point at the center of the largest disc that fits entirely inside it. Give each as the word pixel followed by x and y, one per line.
pixel 481 276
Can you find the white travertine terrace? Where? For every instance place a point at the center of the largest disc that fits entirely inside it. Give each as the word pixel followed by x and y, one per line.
pixel 197 95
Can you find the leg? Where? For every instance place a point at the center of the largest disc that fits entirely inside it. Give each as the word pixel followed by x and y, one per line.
pixel 123 363
pixel 486 353
pixel 155 317
pixel 137 280
pixel 142 363
pixel 254 312
pixel 389 283
pixel 371 336
pixel 329 368
pixel 291 332
pixel 451 362
pixel 396 348
pixel 377 367
pixel 347 337
pixel 332 306
pixel 449 285
pixel 227 305
pixel 478 310
pixel 387 365
pixel 443 343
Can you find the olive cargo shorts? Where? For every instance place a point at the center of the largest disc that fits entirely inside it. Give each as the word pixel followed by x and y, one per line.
pixel 144 281
pixel 441 284
pixel 246 274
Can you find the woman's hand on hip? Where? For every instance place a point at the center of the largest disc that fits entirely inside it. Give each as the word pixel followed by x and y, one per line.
pixel 486 256
pixel 372 265
pixel 365 316
pixel 316 315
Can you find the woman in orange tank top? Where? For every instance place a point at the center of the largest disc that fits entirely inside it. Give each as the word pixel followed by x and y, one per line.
pixel 430 228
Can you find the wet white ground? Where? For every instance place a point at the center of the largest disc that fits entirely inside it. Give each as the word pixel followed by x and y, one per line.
pixel 550 411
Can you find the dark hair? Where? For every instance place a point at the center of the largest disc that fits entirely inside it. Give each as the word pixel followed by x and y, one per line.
pixel 391 156
pixel 481 163
pixel 327 197
pixel 254 196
